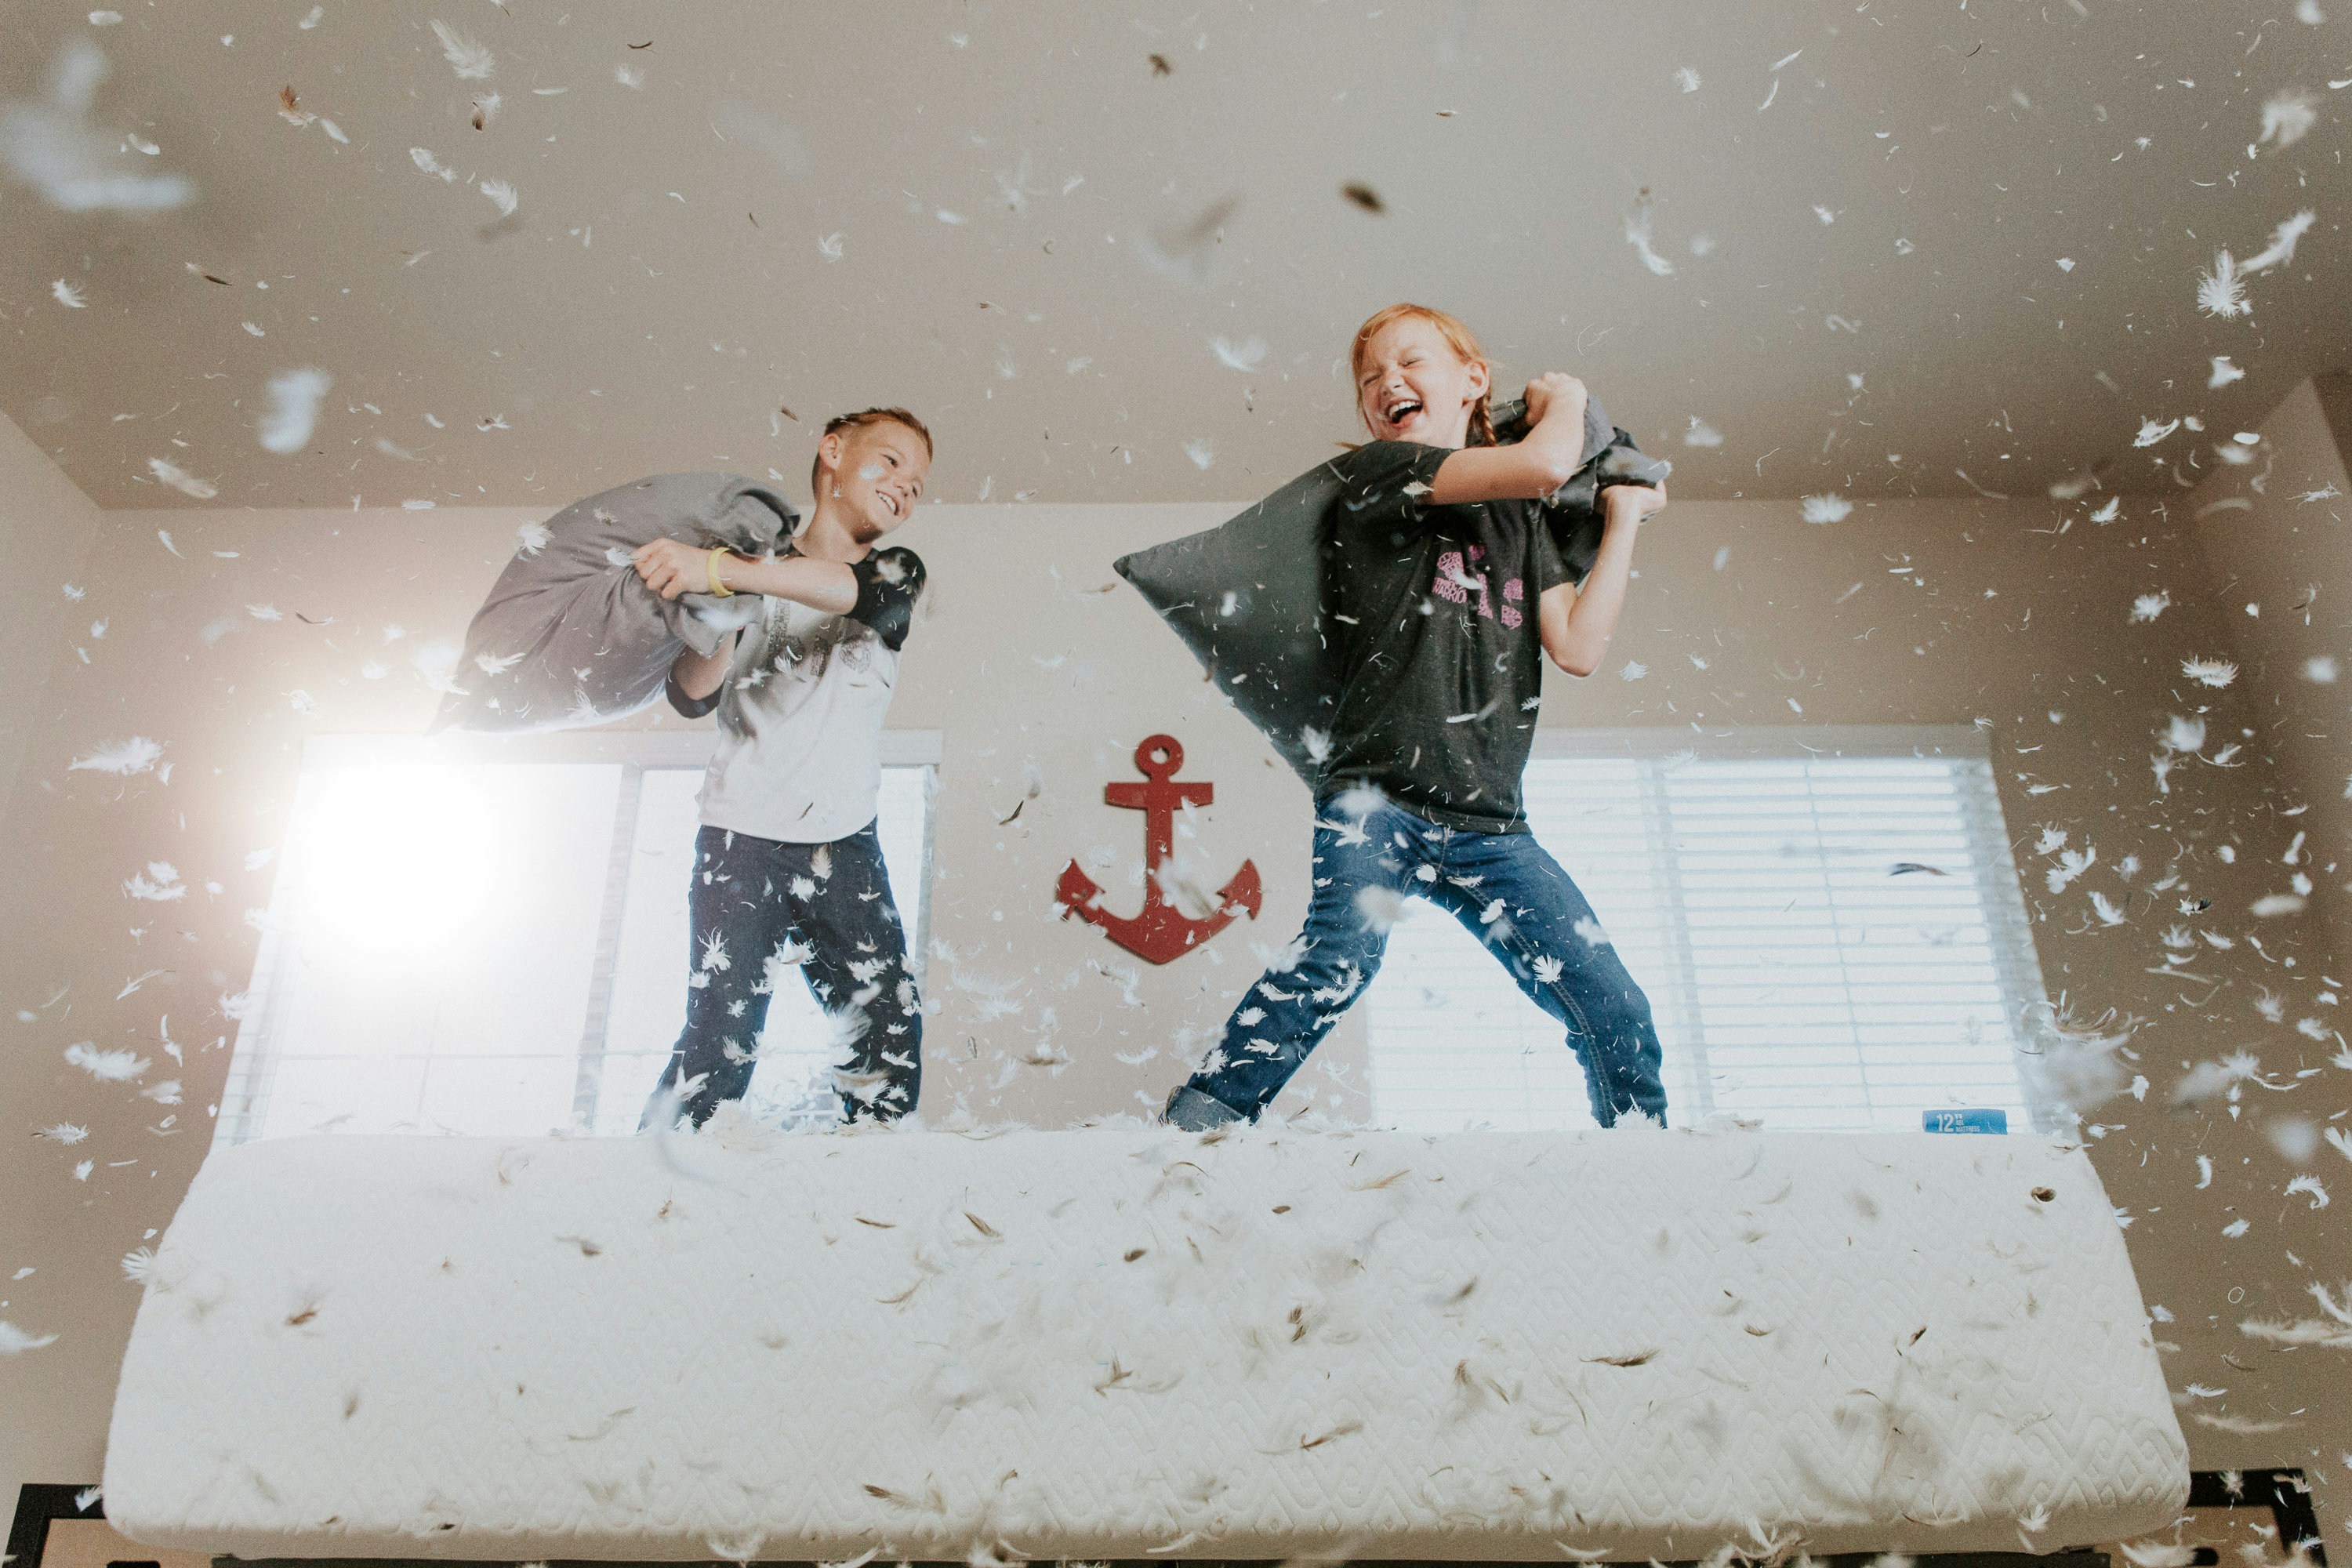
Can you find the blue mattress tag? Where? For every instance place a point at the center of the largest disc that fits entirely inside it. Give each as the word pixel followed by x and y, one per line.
pixel 1964 1120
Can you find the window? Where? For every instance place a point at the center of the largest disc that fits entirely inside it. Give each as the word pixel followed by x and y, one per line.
pixel 1827 922
pixel 490 935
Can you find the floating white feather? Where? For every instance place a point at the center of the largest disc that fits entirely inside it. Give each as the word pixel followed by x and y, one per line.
pixel 179 480
pixel 470 60
pixel 294 399
pixel 107 1067
pixel 136 755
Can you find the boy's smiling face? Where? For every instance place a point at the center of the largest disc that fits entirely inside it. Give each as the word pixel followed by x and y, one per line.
pixel 1411 386
pixel 877 472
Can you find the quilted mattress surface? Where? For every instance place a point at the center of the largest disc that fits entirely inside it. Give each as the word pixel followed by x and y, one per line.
pixel 1132 1342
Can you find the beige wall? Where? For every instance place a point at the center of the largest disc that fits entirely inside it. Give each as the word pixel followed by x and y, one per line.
pixel 45 528
pixel 1744 614
pixel 2273 532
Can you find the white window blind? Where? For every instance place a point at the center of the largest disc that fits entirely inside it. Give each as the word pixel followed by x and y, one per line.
pixel 491 937
pixel 1827 923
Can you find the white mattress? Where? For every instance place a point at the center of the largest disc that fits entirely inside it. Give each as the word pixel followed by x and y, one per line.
pixel 1129 1342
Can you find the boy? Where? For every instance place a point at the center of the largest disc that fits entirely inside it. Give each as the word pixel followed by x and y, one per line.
pixel 787 863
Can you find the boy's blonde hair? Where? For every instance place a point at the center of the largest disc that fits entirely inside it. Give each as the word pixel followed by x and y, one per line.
pixel 1458 337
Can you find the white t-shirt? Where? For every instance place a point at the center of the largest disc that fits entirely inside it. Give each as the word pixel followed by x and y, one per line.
pixel 801 712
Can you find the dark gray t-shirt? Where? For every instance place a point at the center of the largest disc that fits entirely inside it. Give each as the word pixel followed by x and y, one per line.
pixel 1436 610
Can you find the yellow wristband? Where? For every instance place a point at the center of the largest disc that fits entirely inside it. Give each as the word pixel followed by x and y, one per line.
pixel 710 571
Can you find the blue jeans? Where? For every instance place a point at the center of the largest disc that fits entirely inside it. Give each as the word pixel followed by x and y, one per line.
pixel 1505 888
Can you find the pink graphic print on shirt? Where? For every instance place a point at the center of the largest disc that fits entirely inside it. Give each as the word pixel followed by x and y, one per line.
pixel 1455 584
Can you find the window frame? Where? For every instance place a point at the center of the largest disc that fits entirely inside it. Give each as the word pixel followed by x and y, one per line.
pixel 1993 847
pixel 253 1054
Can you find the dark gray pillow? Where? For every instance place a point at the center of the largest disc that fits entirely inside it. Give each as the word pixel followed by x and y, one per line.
pixel 1248 596
pixel 571 637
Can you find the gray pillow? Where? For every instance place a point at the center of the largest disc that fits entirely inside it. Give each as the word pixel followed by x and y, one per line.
pixel 1246 597
pixel 571 637
pixel 1573 510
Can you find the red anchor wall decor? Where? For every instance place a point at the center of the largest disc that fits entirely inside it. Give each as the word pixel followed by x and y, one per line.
pixel 1160 932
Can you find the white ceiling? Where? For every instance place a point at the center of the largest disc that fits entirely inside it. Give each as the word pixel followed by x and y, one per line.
pixel 1041 235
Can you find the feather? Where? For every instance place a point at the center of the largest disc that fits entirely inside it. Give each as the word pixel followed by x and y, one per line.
pixel 469 60
pixel 107 1067
pixel 2288 118
pixel 50 144
pixel 2283 241
pixel 1637 235
pixel 1342 1430
pixel 2215 672
pixel 2223 293
pixel 1246 356
pixel 742 1549
pixel 159 884
pixel 294 399
pixel 179 480
pixel 2241 1425
pixel 437 664
pixel 502 195
pixel 15 1341
pixel 67 295
pixel 124 758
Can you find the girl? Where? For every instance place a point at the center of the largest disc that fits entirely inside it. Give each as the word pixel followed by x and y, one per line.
pixel 1446 585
